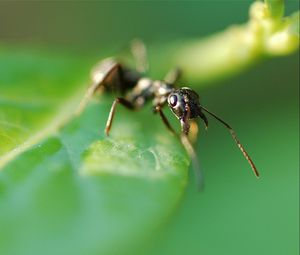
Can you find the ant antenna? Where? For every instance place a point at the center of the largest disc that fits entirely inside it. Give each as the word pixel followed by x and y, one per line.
pixel 233 134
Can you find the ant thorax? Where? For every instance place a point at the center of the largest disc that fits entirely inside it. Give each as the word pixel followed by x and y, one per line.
pixel 141 93
pixel 146 89
pixel 161 92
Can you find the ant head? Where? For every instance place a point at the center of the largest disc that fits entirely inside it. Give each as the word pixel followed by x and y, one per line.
pixel 180 99
pixel 186 100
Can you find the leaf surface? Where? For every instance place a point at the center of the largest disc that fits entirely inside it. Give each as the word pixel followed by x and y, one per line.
pixel 75 191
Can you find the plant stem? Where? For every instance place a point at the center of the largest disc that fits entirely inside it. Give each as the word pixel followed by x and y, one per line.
pixel 239 46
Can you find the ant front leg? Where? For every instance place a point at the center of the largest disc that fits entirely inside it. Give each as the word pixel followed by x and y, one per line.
pixel 164 118
pixel 118 100
pixel 184 120
pixel 189 127
pixel 185 127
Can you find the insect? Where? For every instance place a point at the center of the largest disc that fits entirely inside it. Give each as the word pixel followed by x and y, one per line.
pixel 136 90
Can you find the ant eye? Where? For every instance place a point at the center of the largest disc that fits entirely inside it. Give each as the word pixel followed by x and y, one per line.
pixel 173 100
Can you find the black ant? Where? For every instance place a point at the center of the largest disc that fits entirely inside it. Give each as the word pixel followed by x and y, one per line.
pixel 136 90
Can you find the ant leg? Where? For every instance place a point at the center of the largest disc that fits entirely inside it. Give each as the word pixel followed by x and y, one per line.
pixel 139 52
pixel 184 121
pixel 118 100
pixel 164 119
pixel 185 126
pixel 185 142
pixel 195 163
pixel 100 74
pixel 173 76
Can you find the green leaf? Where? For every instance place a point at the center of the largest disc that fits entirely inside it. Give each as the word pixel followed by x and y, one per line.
pixel 75 191
pixel 37 92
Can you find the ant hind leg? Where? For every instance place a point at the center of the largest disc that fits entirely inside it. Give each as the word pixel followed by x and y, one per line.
pixel 102 73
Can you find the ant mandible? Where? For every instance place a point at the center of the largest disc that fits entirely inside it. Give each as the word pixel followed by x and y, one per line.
pixel 136 90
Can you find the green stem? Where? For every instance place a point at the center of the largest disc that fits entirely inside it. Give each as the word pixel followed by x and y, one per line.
pixel 276 8
pixel 239 46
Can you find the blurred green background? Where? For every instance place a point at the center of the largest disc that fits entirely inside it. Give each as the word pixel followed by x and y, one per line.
pixel 236 214
pixel 93 25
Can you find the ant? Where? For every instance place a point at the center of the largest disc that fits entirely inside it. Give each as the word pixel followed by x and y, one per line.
pixel 136 90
